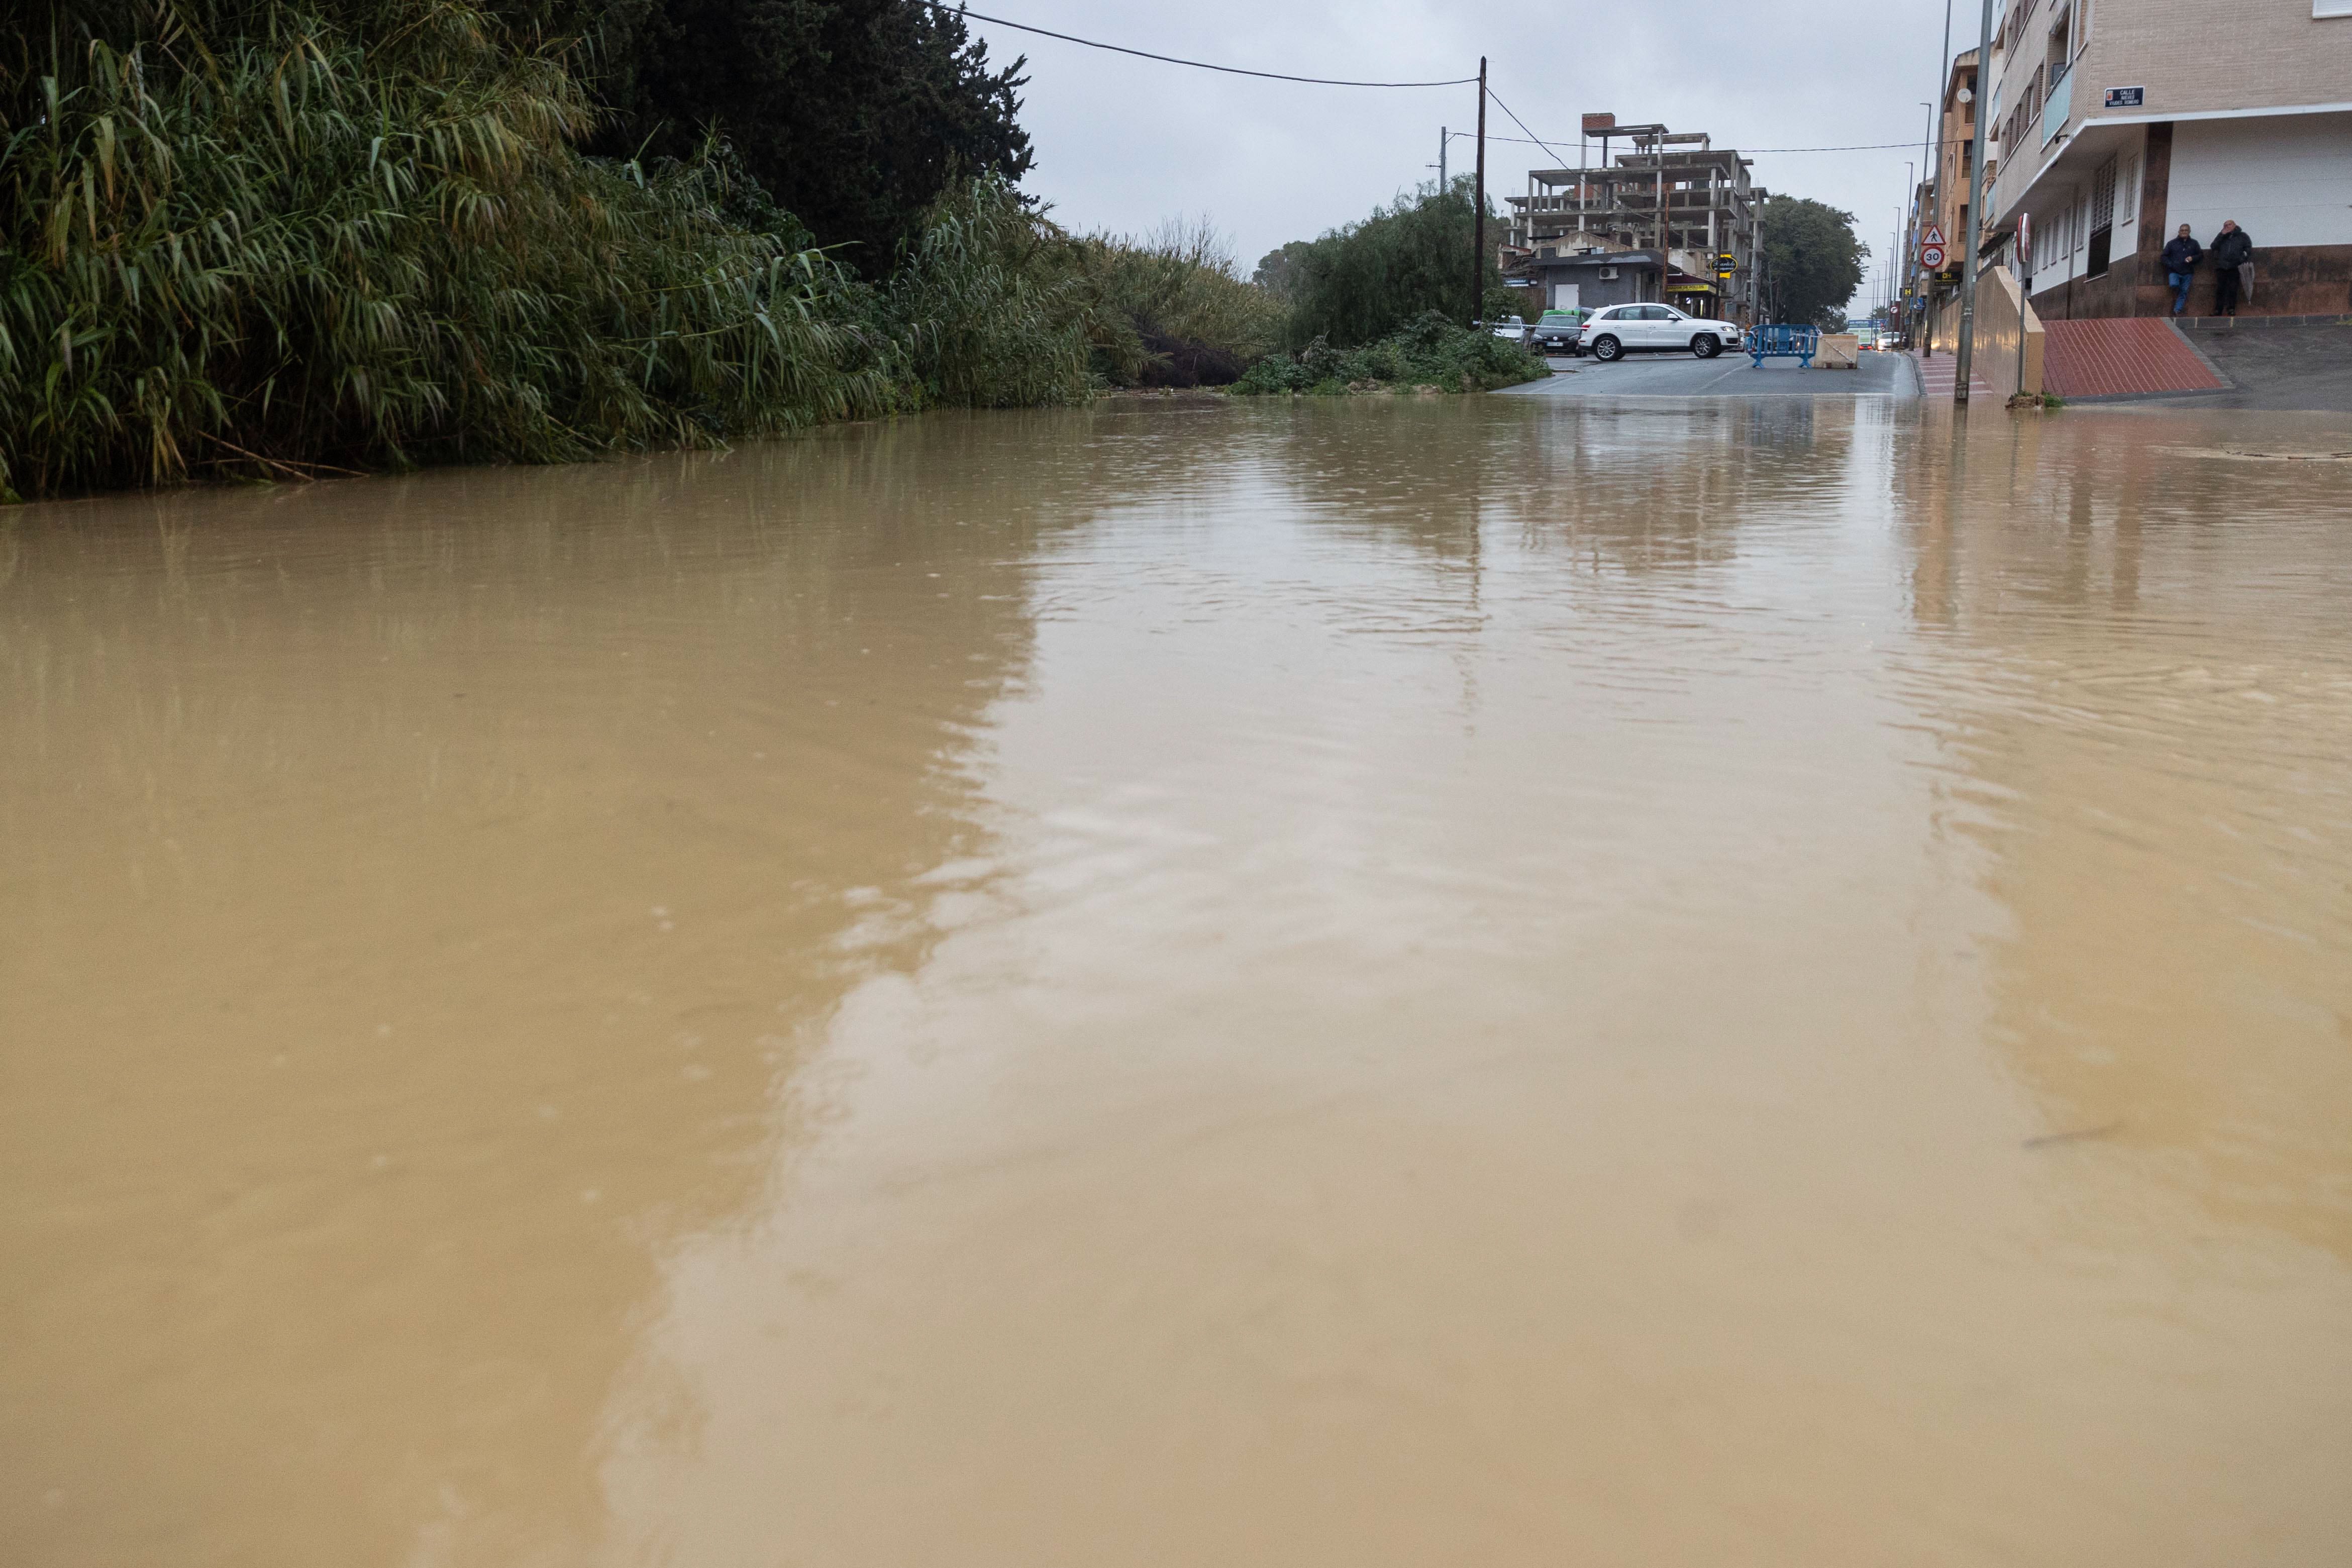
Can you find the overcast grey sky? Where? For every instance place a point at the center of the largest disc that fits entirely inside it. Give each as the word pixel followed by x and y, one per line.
pixel 1123 143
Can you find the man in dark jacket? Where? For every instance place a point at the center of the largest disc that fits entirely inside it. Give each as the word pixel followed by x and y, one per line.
pixel 2180 259
pixel 2233 247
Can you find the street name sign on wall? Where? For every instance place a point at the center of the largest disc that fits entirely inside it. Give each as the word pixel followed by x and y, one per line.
pixel 2127 97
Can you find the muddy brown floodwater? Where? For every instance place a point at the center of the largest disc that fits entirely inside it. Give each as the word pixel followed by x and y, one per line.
pixel 1474 982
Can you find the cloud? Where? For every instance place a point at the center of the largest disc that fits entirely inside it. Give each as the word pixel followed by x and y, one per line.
pixel 1123 143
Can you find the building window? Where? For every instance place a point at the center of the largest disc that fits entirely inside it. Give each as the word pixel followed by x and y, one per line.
pixel 2103 219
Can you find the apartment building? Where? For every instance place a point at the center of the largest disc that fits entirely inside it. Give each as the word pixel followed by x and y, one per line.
pixel 1941 199
pixel 1651 223
pixel 2112 122
pixel 1957 132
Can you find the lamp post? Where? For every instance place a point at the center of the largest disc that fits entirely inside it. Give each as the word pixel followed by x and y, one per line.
pixel 1934 113
pixel 1899 262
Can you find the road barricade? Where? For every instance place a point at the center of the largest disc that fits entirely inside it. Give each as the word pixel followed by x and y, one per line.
pixel 1783 342
pixel 1841 352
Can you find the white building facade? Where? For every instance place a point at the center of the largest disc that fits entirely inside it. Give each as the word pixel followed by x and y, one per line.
pixel 2116 122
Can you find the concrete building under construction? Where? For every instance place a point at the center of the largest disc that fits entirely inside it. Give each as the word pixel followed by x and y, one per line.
pixel 1670 218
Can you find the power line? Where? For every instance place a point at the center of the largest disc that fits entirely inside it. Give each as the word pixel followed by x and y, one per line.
pixel 1174 60
pixel 1530 139
pixel 1520 123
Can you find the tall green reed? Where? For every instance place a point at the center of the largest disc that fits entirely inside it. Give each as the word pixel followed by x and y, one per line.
pixel 294 249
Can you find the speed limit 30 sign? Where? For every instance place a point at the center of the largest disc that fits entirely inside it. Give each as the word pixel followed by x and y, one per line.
pixel 1931 249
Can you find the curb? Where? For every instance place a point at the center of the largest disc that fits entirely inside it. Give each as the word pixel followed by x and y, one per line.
pixel 2257 323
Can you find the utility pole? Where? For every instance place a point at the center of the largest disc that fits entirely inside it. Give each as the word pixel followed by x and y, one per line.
pixel 1972 221
pixel 1478 218
pixel 1443 136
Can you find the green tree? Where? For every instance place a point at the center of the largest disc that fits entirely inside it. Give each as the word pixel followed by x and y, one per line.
pixel 854 115
pixel 1813 260
pixel 1360 283
pixel 1278 271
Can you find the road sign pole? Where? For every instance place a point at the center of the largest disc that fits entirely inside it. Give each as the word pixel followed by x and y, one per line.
pixel 1478 217
pixel 1931 261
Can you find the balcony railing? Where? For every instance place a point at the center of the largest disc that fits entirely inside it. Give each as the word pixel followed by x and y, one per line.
pixel 2055 108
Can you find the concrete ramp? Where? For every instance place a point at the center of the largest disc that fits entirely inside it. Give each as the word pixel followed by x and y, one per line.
pixel 2127 357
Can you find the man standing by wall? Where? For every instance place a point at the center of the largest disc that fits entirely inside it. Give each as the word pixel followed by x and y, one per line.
pixel 2233 251
pixel 2180 259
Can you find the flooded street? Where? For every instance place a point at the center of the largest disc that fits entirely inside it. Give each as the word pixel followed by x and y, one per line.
pixel 1360 983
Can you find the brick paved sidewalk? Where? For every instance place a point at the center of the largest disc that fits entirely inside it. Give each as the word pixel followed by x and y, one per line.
pixel 2122 357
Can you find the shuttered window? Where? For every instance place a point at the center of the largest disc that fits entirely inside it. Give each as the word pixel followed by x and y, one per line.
pixel 2103 219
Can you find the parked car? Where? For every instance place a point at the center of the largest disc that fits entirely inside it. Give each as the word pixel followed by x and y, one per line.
pixel 1621 329
pixel 1556 332
pixel 1514 328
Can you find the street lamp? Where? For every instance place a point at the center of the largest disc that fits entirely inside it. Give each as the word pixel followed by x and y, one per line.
pixel 1899 260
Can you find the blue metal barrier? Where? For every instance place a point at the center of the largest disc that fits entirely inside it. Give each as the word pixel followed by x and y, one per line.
pixel 1784 343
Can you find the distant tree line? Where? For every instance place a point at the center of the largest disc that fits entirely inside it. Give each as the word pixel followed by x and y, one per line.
pixel 1364 280
pixel 282 237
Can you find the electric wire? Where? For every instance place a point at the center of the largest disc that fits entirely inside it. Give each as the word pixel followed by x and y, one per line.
pixel 1531 140
pixel 1174 60
pixel 1521 124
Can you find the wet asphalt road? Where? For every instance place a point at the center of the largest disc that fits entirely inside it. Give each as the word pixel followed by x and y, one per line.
pixel 1680 374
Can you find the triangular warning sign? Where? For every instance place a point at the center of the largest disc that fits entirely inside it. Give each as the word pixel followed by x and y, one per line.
pixel 1935 234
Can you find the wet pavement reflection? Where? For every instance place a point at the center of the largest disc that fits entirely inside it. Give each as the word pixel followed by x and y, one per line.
pixel 1497 980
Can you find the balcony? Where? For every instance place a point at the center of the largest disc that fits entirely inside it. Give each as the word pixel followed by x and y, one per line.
pixel 2055 108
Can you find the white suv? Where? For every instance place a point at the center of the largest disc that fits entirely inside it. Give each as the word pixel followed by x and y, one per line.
pixel 1621 329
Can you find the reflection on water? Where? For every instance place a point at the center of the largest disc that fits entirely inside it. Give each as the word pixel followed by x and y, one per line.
pixel 2151 735
pixel 1399 982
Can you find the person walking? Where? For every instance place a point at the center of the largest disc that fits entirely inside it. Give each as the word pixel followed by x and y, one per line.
pixel 2234 252
pixel 2180 259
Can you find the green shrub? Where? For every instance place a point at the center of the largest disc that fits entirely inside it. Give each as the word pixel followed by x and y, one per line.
pixel 1427 351
pixel 993 304
pixel 1001 306
pixel 1358 283
pixel 1194 316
